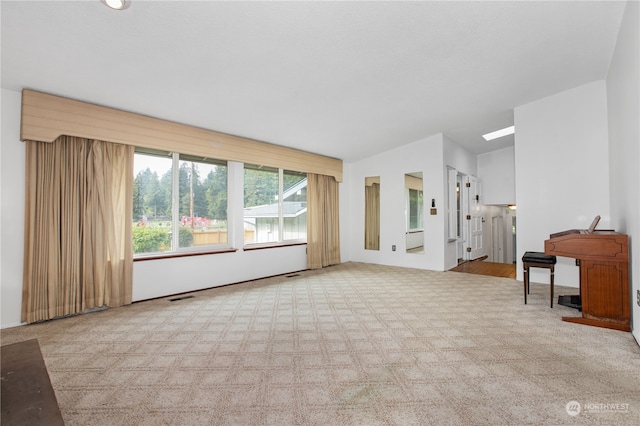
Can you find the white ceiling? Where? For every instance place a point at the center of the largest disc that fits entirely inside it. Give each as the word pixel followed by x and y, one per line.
pixel 344 79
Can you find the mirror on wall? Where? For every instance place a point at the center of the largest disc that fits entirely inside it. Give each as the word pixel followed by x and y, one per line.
pixel 414 212
pixel 372 213
pixel 454 193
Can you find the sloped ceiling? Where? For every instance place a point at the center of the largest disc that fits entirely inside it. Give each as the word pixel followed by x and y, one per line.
pixel 344 79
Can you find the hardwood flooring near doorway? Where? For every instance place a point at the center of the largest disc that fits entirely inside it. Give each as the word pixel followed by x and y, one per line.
pixel 481 267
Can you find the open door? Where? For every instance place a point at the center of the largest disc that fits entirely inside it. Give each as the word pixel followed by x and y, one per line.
pixel 475 248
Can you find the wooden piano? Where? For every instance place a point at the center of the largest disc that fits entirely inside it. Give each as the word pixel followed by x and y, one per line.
pixel 604 274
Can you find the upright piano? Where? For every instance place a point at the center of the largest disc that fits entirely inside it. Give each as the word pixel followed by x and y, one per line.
pixel 603 257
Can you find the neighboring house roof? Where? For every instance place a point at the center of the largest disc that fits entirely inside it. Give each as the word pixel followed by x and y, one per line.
pixel 295 188
pixel 290 209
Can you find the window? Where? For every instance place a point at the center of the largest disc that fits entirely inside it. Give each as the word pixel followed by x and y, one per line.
pixel 415 209
pixel 179 202
pixel 275 205
pixel 294 212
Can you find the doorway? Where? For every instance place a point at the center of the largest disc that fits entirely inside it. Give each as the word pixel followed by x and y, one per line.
pixel 497 239
pixel 475 220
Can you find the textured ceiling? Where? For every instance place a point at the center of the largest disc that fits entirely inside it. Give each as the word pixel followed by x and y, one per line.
pixel 344 79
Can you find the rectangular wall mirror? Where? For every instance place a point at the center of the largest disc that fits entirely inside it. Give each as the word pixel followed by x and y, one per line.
pixel 372 213
pixel 414 212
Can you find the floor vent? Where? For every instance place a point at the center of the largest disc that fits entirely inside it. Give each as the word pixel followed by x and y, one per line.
pixel 175 299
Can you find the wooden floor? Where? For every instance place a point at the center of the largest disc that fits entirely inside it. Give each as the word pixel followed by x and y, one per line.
pixel 482 267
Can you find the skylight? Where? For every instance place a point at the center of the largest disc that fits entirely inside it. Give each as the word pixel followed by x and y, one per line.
pixel 499 133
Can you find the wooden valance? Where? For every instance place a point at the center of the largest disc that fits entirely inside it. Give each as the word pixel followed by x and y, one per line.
pixel 45 117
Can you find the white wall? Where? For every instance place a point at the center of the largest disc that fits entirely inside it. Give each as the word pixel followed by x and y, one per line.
pixel 346 211
pixel 623 91
pixel 429 156
pixel 422 156
pixel 157 278
pixel 562 171
pixel 459 158
pixel 151 278
pixel 414 240
pixel 496 170
pixel 12 208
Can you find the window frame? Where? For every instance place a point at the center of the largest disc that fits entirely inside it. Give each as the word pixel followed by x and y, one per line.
pixel 419 204
pixel 176 250
pixel 280 197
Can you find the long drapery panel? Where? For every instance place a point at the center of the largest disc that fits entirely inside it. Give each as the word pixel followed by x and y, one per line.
pixel 323 221
pixel 372 217
pixel 78 220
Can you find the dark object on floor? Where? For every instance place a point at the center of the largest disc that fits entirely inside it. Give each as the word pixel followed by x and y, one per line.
pixel 27 395
pixel 572 301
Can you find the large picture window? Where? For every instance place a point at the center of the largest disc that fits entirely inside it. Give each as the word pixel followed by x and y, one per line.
pixel 179 202
pixel 275 205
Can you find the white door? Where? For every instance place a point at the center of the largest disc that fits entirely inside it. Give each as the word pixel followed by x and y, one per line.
pixel 475 249
pixel 496 239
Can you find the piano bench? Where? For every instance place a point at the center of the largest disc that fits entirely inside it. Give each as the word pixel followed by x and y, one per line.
pixel 534 259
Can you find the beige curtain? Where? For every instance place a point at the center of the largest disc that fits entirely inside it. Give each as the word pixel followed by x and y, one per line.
pixel 323 221
pixel 78 216
pixel 372 216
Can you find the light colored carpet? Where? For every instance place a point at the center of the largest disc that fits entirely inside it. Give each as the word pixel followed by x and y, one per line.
pixel 354 344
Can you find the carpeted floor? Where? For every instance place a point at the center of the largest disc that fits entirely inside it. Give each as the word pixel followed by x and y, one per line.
pixel 354 344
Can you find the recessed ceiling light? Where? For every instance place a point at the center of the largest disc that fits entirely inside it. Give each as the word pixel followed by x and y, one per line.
pixel 499 133
pixel 117 4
